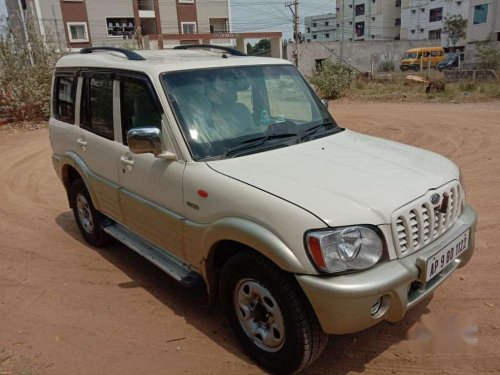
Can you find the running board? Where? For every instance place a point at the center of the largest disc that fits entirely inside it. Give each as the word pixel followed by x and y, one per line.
pixel 160 258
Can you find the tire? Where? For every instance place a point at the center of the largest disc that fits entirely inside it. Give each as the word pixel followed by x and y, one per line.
pixel 89 220
pixel 295 337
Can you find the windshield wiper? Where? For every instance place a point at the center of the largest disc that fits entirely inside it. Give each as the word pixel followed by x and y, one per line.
pixel 253 142
pixel 313 130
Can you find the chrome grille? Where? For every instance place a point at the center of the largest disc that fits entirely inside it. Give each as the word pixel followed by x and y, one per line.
pixel 421 222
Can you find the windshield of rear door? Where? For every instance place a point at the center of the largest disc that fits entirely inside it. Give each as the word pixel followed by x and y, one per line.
pixel 223 109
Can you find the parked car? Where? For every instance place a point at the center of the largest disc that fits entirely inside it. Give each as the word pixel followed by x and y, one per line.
pixel 414 57
pixel 450 62
pixel 228 170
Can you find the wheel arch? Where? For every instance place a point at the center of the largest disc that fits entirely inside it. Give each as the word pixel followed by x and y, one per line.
pixel 73 168
pixel 229 236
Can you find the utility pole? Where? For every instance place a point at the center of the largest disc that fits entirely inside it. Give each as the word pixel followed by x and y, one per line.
pixel 295 13
pixel 342 31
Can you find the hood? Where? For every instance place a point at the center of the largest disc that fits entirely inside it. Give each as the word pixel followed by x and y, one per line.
pixel 343 179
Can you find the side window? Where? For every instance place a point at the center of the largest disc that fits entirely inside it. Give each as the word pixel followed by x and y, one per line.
pixel 64 98
pixel 137 106
pixel 97 105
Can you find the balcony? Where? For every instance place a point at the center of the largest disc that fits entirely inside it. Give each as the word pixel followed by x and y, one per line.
pixel 219 25
pixel 146 9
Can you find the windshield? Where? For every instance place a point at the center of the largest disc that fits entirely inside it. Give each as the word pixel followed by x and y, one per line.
pixel 411 55
pixel 226 108
pixel 450 56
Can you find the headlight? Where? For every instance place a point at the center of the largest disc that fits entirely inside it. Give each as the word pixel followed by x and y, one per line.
pixel 344 249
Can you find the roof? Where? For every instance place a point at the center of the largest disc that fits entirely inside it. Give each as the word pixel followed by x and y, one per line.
pixel 158 61
pixel 417 49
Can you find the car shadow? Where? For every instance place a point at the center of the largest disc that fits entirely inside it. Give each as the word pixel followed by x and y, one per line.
pixel 344 354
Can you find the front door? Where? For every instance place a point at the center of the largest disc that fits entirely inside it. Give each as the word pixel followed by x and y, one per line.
pixel 151 188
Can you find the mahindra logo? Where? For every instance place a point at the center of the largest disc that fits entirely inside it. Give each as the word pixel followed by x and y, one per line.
pixel 435 198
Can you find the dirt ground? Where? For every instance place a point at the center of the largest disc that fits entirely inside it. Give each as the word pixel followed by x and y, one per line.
pixel 67 308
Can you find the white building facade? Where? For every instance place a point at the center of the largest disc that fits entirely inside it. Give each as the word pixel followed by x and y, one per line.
pixel 424 20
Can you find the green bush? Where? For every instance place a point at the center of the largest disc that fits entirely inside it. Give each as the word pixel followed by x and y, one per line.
pixel 387 66
pixel 333 79
pixel 489 56
pixel 25 77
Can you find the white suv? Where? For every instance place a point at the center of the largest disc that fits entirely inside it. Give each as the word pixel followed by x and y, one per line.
pixel 228 169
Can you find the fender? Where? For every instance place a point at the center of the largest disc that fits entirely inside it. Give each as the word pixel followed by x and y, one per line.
pixel 247 233
pixel 69 158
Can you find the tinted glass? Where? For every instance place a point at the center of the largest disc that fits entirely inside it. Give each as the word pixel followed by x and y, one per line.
pixel 137 106
pixel 98 113
pixel 64 99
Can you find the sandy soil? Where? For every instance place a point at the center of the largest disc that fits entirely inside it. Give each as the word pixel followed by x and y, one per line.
pixel 66 308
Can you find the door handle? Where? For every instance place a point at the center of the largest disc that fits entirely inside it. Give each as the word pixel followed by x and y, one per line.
pixel 81 142
pixel 126 161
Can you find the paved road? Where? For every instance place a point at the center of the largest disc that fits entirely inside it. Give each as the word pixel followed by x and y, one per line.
pixel 66 308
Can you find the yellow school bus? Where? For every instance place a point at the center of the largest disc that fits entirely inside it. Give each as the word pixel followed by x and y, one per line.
pixel 411 59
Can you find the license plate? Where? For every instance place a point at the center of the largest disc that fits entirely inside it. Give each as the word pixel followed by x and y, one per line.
pixel 441 259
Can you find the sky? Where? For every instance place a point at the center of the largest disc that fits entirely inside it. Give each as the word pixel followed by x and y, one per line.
pixel 272 15
pixel 264 15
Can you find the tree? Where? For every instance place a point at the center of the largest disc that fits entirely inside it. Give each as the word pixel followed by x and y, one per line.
pixel 489 56
pixel 455 26
pixel 260 48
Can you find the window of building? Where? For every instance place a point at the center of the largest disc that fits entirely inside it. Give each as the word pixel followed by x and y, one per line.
pixel 413 31
pixel 398 4
pixel 308 30
pixel 188 27
pixel 327 35
pixel 480 14
pixel 315 36
pixel 373 18
pixel 413 11
pixel 397 22
pixel 435 34
pixel 315 24
pixel 327 23
pixel 138 106
pixel 77 32
pixel 436 14
pixel 64 98
pixel 122 27
pixel 422 10
pixel 359 29
pixel 498 36
pixel 97 105
pixel 360 9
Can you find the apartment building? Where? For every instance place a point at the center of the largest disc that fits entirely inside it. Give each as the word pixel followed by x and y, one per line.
pixel 77 24
pixel 321 28
pixel 484 21
pixel 368 19
pixel 483 27
pixel 424 20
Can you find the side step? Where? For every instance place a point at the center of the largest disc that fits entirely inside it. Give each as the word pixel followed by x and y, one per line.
pixel 163 260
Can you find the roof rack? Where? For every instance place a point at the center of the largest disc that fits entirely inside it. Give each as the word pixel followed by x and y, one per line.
pixel 232 51
pixel 131 55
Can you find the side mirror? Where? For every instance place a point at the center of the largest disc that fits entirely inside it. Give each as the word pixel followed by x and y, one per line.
pixel 147 141
pixel 325 103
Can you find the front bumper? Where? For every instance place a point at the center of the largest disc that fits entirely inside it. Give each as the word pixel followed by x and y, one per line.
pixel 343 303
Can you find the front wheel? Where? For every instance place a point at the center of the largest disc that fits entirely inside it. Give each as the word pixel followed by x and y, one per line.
pixel 269 315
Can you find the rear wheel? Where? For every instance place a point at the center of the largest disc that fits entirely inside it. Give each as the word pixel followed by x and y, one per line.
pixel 89 220
pixel 269 314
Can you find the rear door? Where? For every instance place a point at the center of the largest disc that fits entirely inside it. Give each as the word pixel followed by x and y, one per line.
pixel 151 188
pixel 96 139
